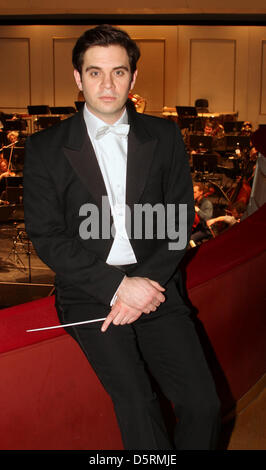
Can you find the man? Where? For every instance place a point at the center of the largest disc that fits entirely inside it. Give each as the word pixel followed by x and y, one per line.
pixel 237 211
pixel 69 169
pixel 204 211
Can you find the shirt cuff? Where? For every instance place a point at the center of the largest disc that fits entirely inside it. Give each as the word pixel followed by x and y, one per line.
pixel 115 294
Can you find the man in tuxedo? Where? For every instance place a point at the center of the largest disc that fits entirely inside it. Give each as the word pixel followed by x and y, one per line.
pixel 98 170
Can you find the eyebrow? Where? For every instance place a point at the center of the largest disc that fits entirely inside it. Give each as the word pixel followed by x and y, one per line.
pixel 95 67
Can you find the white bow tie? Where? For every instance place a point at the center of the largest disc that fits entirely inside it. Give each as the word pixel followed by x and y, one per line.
pixel 121 130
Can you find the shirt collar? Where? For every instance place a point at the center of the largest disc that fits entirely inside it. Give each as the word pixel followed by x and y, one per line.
pixel 93 123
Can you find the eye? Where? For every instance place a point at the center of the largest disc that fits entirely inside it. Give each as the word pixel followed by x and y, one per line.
pixel 94 73
pixel 119 73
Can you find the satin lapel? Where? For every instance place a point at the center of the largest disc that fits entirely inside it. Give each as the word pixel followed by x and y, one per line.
pixel 141 147
pixel 81 156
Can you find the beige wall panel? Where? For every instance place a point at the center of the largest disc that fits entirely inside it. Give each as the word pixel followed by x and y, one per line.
pixel 256 98
pixel 213 60
pixel 212 73
pixel 151 84
pixel 157 66
pixel 65 88
pixel 15 72
pixel 263 80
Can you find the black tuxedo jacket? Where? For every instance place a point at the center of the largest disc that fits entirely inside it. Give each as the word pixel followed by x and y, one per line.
pixel 61 174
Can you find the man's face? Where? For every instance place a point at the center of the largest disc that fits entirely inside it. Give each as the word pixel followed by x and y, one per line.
pixel 197 193
pixel 105 81
pixel 208 130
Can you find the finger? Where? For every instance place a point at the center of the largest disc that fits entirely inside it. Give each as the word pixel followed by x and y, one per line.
pixel 106 323
pixel 149 309
pixel 119 318
pixel 160 298
pixel 132 319
pixel 109 318
pixel 127 319
pixel 157 285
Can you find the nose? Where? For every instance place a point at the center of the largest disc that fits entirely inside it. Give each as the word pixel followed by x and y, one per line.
pixel 107 81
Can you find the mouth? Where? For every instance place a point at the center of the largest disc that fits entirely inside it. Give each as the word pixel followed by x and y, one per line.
pixel 107 98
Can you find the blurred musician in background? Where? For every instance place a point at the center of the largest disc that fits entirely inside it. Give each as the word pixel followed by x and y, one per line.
pixel 138 101
pixel 251 165
pixel 231 217
pixel 2 127
pixel 204 212
pixel 13 137
pixel 246 129
pixel 214 129
pixel 4 173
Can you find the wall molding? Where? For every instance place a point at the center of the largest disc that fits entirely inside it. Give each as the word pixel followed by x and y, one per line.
pixel 212 40
pixel 28 42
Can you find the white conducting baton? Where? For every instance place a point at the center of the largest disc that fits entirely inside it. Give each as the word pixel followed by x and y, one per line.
pixel 67 324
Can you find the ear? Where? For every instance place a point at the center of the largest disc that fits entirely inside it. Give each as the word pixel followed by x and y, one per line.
pixel 78 79
pixel 133 81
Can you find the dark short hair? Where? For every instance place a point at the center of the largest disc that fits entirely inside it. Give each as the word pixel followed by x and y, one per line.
pixel 200 185
pixel 239 206
pixel 105 35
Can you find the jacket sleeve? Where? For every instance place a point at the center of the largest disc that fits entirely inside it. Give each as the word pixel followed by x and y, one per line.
pixel 163 263
pixel 46 228
pixel 206 210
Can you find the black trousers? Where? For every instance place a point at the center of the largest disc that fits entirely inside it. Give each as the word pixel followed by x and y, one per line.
pixel 168 347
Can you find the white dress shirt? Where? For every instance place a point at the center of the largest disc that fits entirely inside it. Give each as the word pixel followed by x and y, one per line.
pixel 111 154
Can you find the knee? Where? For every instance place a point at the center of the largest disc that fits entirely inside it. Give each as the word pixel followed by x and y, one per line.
pixel 136 395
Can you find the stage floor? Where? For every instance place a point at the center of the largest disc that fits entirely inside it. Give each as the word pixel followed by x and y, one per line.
pixel 23 276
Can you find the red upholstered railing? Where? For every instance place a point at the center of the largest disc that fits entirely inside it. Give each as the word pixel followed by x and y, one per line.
pixel 235 246
pixel 14 322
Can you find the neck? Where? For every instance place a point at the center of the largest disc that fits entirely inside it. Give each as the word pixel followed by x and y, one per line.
pixel 106 118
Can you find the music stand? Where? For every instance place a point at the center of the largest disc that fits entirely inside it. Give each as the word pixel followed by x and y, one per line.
pixel 186 122
pixel 233 126
pixel 62 110
pixel 16 125
pixel 5 212
pixel 201 141
pixel 38 109
pixel 48 121
pixel 14 194
pixel 14 181
pixel 232 141
pixel 206 163
pixel 186 111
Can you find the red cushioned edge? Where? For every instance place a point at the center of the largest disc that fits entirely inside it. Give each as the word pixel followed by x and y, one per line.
pixel 14 322
pixel 231 248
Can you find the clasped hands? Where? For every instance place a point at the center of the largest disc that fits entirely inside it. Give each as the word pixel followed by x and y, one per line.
pixel 136 295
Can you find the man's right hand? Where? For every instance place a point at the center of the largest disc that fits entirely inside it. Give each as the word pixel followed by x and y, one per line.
pixel 141 293
pixel 121 314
